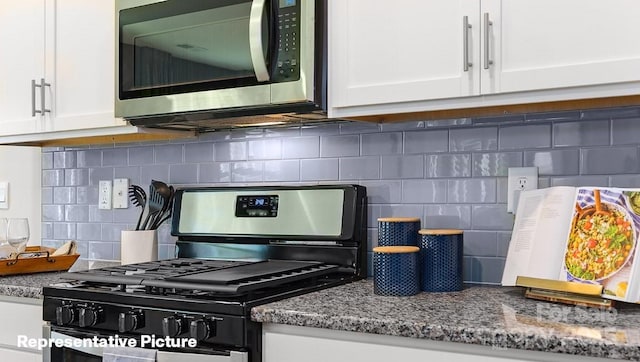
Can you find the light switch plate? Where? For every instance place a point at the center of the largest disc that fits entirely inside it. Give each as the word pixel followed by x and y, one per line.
pixel 104 195
pixel 4 195
pixel 120 189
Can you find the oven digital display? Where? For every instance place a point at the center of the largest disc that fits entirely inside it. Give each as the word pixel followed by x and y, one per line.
pixel 287 3
pixel 257 206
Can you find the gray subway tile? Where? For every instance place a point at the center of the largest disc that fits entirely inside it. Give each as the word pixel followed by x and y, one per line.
pixel 183 174
pixel 301 147
pixel 89 158
pixel 168 153
pixel 552 116
pixel 424 191
pixel 65 159
pixel 53 177
pixel 625 181
pixel 383 192
pixel 359 127
pixel 447 217
pixel 530 136
pixel 495 163
pixel 52 149
pixel 230 151
pixel 357 168
pixel 452 122
pixel 448 165
pixel 426 141
pixel 88 231
pixel 580 181
pixel 215 172
pixel 610 113
pixel 282 132
pixel 554 162
pixel 100 251
pixel 614 160
pixel 64 231
pixel 78 213
pixel 402 126
pixel 501 186
pixel 247 171
pixel 583 133
pixel 140 155
pixel 504 238
pixel 153 172
pixel 340 146
pixel 473 139
pixel 480 243
pixel 401 210
pixel 126 216
pixel 319 169
pixel 87 195
pixel 499 119
pixel 402 166
pixel 472 191
pixel 487 270
pixel 265 149
pixel 373 213
pixel 198 152
pixel 320 129
pixel 216 136
pixel 46 230
pixel 466 270
pixel 46 195
pixel 625 131
pixel 491 217
pixel 372 238
pixel 98 174
pixel 83 248
pixel 381 143
pixel 76 177
pixel 99 215
pixel 52 212
pixel 115 157
pixel 131 173
pixel 282 170
pixel 47 161
pixel 64 195
pixel 112 232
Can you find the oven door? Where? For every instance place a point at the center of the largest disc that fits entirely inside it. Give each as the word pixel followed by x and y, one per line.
pixel 94 354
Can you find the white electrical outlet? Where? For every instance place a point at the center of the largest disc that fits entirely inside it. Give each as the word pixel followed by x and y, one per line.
pixel 120 189
pixel 520 179
pixel 104 195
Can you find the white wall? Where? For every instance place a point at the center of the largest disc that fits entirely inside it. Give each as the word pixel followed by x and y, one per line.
pixel 21 167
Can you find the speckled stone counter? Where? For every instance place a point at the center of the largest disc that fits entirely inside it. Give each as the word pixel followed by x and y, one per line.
pixel 490 316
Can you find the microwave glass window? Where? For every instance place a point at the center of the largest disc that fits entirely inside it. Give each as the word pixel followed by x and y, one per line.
pixel 184 43
pixel 287 3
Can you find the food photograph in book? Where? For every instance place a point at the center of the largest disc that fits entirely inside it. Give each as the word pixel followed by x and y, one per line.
pixel 602 240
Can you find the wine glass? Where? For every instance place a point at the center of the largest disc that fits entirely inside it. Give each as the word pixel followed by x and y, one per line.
pixel 18 233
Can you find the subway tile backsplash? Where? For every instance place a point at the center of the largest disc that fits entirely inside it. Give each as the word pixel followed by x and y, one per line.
pixel 450 173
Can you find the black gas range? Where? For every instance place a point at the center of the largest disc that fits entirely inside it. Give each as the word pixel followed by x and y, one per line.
pixel 238 247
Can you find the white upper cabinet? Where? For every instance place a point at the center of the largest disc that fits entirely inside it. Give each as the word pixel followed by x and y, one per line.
pixel 545 44
pixel 21 62
pixel 408 50
pixel 81 65
pixel 410 55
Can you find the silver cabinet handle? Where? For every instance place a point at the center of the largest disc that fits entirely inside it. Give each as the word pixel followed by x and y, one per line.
pixel 42 109
pixel 465 43
pixel 487 32
pixel 255 40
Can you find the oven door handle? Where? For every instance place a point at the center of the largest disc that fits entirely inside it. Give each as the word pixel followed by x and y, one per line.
pixel 256 40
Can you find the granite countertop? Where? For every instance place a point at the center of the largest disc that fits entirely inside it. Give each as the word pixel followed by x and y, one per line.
pixel 498 317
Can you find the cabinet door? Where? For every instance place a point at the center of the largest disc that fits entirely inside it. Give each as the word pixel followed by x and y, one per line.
pixel 22 60
pixel 383 52
pixel 81 64
pixel 546 44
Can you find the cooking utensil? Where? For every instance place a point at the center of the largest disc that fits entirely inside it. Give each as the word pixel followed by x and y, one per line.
pixel 139 198
pixel 165 192
pixel 155 202
pixel 165 213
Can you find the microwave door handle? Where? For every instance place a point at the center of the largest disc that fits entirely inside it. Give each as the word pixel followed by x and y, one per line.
pixel 255 40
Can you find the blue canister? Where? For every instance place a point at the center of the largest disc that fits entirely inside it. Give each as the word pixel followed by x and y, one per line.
pixel 441 252
pixel 396 231
pixel 396 271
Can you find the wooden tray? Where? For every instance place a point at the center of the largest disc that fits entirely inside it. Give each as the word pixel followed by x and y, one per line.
pixel 44 263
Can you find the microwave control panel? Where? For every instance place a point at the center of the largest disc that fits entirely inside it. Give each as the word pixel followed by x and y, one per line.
pixel 287 64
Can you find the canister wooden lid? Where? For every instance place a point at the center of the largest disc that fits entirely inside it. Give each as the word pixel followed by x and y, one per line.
pixel 439 231
pixel 399 219
pixel 396 249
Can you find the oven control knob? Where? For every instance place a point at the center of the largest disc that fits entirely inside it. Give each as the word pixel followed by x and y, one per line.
pixel 64 315
pixel 130 321
pixel 89 316
pixel 200 329
pixel 172 326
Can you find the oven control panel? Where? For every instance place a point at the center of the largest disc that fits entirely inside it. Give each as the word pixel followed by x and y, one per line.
pixel 257 206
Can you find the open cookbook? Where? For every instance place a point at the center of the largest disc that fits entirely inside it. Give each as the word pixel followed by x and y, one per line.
pixel 578 234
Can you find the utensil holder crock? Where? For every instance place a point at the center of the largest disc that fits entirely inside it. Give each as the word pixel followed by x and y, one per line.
pixel 396 271
pixel 441 252
pixel 396 231
pixel 138 246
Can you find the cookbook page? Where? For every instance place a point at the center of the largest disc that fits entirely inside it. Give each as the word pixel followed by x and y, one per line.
pixel 539 234
pixel 601 246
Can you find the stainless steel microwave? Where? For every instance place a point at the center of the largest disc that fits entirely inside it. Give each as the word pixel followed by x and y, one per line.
pixel 184 63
